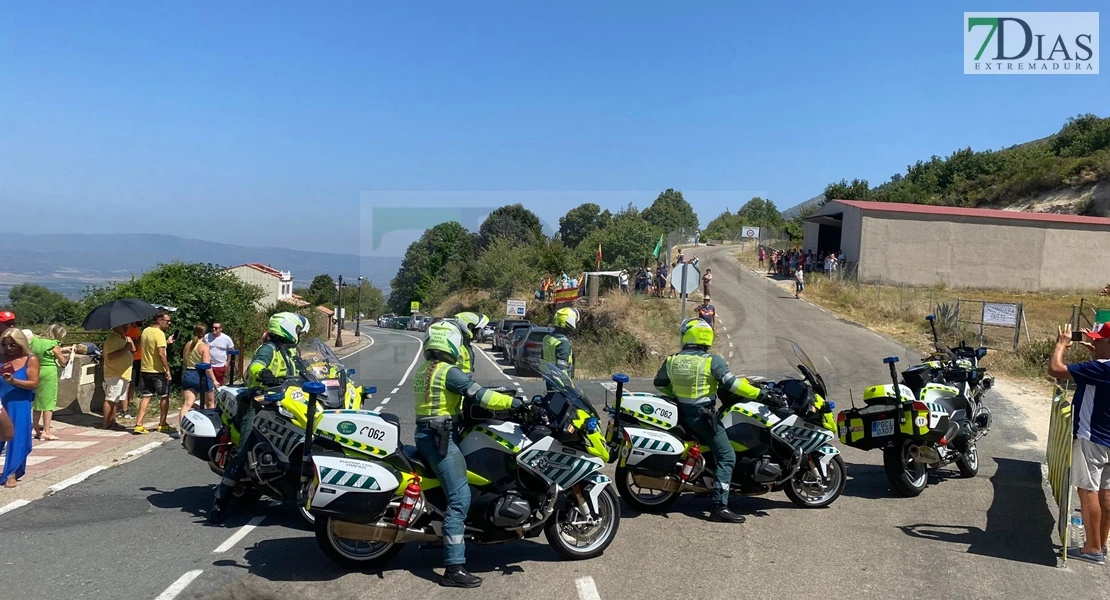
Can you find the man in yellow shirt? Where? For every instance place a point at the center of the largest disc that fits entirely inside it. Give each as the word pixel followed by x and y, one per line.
pixel 118 350
pixel 155 377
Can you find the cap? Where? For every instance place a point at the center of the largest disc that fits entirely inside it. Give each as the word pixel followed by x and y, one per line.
pixel 7 316
pixel 1102 333
pixel 706 298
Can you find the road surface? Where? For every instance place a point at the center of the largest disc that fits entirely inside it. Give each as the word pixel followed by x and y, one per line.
pixel 137 531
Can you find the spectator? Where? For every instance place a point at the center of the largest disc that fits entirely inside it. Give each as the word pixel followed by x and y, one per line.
pixel 705 281
pixel 7 431
pixel 707 312
pixel 155 373
pixel 20 371
pixel 799 282
pixel 48 349
pixel 623 279
pixel 762 256
pixel 134 333
pixel 218 345
pixel 118 350
pixel 7 319
pixel 193 382
pixel 680 258
pixel 1091 449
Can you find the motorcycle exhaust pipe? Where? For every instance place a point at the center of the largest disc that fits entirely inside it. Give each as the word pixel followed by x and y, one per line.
pixel 925 454
pixel 380 532
pixel 668 484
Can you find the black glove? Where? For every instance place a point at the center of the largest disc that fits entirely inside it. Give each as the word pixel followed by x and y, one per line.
pixel 267 378
pixel 773 397
pixel 517 403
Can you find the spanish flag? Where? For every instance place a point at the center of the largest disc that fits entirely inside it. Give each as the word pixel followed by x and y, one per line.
pixel 566 295
pixel 598 256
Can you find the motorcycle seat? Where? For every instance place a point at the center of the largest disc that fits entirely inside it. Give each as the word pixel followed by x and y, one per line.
pixel 391 418
pixel 413 456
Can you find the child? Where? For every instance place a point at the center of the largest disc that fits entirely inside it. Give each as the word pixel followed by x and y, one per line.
pixel 799 282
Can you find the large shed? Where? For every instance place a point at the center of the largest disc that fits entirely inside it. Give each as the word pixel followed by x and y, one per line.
pixel 919 244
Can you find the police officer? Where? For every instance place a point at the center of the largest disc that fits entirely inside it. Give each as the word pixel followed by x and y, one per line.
pixel 556 346
pixel 272 364
pixel 469 324
pixel 691 377
pixel 439 386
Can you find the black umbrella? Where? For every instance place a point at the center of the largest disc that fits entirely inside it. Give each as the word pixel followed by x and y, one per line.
pixel 118 312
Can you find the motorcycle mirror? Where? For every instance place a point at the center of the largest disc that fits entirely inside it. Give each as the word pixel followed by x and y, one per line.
pixel 350 372
pixel 371 390
pixel 931 318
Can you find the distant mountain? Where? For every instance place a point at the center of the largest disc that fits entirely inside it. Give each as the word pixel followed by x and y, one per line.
pixel 793 211
pixel 67 263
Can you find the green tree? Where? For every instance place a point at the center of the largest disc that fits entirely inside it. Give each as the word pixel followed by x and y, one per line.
pixel 368 299
pixel 507 268
pixel 580 222
pixel 202 293
pixel 858 189
pixel 434 265
pixel 322 291
pixel 670 211
pixel 513 222
pixel 626 243
pixel 759 212
pixel 36 305
pixel 795 228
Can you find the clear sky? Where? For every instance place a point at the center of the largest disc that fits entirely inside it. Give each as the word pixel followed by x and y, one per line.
pixel 281 123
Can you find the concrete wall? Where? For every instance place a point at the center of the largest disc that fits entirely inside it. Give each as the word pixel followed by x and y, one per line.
pixel 981 252
pixel 271 286
pixel 849 234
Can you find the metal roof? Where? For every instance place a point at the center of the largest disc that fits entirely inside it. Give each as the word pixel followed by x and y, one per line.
pixel 985 213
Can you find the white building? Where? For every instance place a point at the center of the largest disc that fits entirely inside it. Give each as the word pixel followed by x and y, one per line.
pixel 276 285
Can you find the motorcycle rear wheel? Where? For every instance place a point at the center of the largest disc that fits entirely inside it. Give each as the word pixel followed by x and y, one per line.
pixel 798 495
pixel 609 515
pixel 353 554
pixel 907 476
pixel 968 462
pixel 657 502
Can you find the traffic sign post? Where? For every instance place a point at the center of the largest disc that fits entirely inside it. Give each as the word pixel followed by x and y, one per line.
pixel 685 279
pixel 515 308
pixel 750 233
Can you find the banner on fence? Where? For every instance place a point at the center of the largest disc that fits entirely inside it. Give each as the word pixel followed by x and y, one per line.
pixel 1001 314
pixel 1059 462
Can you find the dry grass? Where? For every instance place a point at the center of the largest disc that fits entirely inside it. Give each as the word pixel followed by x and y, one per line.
pixel 899 312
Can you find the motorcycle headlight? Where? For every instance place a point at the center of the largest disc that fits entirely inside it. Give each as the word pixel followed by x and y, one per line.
pixel 284 412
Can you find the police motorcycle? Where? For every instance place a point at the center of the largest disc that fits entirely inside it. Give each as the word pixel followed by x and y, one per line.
pixel 273 466
pixel 783 447
pixel 531 470
pixel 933 418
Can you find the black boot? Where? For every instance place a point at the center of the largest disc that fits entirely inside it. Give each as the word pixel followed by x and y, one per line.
pixel 458 576
pixel 722 513
pixel 218 513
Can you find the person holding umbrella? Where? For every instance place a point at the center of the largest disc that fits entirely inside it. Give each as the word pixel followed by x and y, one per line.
pixel 123 313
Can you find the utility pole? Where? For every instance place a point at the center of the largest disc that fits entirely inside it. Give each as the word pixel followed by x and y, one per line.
pixel 339 315
pixel 358 307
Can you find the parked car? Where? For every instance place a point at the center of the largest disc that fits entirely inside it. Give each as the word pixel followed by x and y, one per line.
pixel 517 333
pixel 530 348
pixel 383 321
pixel 504 330
pixel 486 334
pixel 400 322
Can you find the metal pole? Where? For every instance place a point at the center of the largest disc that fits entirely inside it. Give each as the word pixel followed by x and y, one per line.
pixel 1017 323
pixel 339 316
pixel 358 307
pixel 683 293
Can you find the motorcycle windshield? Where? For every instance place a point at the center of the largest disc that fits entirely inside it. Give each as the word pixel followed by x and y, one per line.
pixel 801 362
pixel 320 363
pixel 563 384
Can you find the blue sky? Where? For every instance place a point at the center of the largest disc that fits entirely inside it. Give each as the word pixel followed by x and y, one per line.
pixel 239 121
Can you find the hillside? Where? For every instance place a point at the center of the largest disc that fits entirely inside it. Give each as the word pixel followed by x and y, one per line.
pixel 66 263
pixel 1068 171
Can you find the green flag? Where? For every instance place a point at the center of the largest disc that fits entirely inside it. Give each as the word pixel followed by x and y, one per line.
pixel 658 246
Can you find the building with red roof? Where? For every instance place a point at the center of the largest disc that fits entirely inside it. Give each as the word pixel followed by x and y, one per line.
pixel 276 285
pixel 926 245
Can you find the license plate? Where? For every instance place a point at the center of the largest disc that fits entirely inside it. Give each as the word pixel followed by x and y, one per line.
pixel 881 428
pixel 609 432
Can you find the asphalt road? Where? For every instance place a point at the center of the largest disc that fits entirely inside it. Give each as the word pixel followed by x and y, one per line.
pixel 132 532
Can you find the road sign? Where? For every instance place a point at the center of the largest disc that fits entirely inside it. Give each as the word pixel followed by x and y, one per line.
pixel 692 279
pixel 414 306
pixel 750 233
pixel 515 308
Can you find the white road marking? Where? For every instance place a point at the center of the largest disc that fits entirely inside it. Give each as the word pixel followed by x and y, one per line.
pixel 730 353
pixel 394 390
pixel 730 344
pixel 238 535
pixel 13 505
pixel 362 348
pixel 143 449
pixel 586 589
pixel 38 460
pixel 178 586
pixel 827 360
pixel 496 366
pixel 61 445
pixel 415 359
pixel 78 478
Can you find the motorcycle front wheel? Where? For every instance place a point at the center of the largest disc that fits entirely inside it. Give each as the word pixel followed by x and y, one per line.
pixel 807 491
pixel 907 476
pixel 642 499
pixel 354 554
pixel 968 462
pixel 577 536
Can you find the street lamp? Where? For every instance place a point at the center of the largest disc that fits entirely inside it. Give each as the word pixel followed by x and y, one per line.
pixel 358 307
pixel 339 315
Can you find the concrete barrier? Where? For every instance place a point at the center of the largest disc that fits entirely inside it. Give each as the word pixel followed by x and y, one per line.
pixel 84 391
